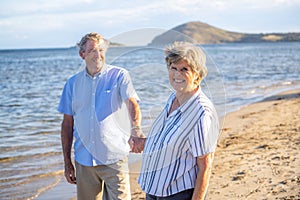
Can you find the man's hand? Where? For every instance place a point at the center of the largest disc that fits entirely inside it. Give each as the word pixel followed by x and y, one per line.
pixel 137 140
pixel 70 173
pixel 136 144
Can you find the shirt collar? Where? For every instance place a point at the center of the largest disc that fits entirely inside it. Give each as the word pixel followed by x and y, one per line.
pixel 97 75
pixel 186 104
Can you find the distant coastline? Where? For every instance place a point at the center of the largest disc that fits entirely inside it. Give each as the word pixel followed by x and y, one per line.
pixel 202 33
pixel 197 33
pixel 111 44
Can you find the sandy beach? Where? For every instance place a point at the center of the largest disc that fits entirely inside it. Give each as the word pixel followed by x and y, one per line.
pixel 257 155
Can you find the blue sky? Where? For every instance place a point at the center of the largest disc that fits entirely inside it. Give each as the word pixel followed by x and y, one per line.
pixel 51 23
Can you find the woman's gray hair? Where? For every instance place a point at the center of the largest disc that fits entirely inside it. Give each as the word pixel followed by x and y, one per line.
pixel 94 37
pixel 193 55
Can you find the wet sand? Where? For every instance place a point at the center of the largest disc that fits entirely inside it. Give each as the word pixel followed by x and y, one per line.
pixel 257 155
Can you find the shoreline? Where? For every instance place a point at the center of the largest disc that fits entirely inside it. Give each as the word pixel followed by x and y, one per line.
pixel 275 92
pixel 256 158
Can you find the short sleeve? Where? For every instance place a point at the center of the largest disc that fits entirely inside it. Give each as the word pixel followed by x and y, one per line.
pixel 204 136
pixel 126 87
pixel 65 104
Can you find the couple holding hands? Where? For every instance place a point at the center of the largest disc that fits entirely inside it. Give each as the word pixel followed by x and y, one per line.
pixel 179 149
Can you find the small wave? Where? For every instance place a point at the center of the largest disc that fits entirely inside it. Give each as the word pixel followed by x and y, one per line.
pixel 33 185
pixel 44 133
pixel 262 86
pixel 286 83
pixel 20 181
pixel 11 105
pixel 47 187
pixel 27 157
pixel 251 92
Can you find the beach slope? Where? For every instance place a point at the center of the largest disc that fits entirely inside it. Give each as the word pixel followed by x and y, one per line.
pixel 258 153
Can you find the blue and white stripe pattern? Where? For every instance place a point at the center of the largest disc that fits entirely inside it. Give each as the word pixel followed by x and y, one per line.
pixel 169 158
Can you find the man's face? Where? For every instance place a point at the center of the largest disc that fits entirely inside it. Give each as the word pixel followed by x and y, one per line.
pixel 93 55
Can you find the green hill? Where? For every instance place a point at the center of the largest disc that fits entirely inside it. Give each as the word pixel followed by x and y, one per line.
pixel 202 33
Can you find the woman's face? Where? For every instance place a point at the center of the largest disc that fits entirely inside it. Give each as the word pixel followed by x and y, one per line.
pixel 181 77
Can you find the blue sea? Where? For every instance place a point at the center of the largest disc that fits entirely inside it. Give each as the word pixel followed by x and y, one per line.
pixel 31 83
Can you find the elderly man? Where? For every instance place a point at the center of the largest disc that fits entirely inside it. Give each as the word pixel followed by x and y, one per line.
pixel 92 102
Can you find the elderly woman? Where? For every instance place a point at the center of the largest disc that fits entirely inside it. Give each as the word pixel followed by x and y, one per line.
pixel 179 150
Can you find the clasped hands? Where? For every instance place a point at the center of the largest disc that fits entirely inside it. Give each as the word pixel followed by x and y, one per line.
pixel 137 140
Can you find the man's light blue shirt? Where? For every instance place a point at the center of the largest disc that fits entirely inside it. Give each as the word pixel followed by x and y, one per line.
pixel 101 118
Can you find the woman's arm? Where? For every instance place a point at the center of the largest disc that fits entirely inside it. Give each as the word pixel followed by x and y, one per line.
pixel 204 164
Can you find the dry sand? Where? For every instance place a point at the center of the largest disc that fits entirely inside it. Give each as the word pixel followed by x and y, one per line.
pixel 257 156
pixel 258 153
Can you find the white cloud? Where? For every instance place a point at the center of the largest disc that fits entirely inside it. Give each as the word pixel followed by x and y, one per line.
pixel 204 5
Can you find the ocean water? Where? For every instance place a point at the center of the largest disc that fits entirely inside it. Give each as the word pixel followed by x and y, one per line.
pixel 31 82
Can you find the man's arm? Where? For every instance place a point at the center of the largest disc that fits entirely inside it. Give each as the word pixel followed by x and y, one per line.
pixel 67 140
pixel 137 138
pixel 204 164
